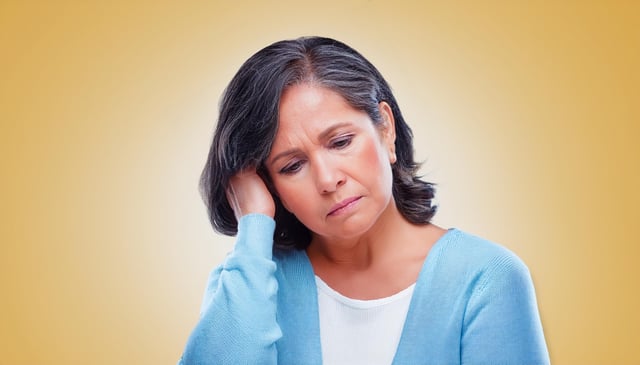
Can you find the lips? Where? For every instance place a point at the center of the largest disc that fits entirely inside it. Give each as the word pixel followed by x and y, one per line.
pixel 343 205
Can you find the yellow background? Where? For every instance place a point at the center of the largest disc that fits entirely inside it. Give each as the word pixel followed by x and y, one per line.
pixel 526 113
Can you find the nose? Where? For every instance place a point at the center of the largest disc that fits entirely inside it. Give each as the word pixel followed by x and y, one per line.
pixel 328 176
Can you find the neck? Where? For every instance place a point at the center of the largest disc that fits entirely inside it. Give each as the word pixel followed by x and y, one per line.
pixel 364 251
pixel 391 254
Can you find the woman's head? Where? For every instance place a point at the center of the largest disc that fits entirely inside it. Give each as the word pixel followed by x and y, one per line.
pixel 248 123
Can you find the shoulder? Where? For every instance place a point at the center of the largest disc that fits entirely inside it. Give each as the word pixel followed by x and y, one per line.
pixel 473 264
pixel 459 250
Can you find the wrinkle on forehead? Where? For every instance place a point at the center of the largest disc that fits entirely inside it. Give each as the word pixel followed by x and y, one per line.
pixel 309 114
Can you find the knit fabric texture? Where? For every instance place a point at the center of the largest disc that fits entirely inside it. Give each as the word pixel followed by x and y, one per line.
pixel 473 303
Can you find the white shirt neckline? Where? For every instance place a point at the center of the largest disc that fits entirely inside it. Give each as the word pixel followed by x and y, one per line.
pixel 355 331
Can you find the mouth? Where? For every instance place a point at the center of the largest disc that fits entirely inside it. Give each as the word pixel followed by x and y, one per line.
pixel 343 206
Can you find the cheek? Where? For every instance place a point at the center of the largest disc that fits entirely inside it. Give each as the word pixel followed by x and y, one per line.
pixel 376 157
pixel 379 164
pixel 369 151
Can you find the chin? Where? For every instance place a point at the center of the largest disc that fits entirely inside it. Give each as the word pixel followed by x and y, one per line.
pixel 352 228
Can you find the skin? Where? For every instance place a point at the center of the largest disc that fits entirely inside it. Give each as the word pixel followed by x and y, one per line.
pixel 331 167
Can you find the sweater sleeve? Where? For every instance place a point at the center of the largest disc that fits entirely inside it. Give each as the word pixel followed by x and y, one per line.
pixel 502 325
pixel 238 316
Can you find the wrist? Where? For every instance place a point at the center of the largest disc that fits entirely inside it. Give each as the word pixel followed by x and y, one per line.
pixel 255 234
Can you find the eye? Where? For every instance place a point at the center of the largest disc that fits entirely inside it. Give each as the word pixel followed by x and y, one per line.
pixel 341 142
pixel 292 168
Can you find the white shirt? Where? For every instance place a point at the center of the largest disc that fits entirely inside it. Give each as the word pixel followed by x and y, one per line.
pixel 356 331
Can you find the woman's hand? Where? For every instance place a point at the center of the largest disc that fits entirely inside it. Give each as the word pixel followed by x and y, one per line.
pixel 247 193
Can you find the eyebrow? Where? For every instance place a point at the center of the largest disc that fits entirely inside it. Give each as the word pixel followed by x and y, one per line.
pixel 325 134
pixel 283 154
pixel 322 136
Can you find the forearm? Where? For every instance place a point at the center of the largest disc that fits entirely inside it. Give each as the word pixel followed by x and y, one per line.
pixel 238 320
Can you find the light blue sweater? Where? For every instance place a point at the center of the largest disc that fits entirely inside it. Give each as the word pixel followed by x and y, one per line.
pixel 473 304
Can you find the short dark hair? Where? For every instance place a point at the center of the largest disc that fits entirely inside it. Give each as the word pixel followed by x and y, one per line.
pixel 248 122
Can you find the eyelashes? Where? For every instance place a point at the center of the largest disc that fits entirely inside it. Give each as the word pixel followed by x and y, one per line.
pixel 338 143
pixel 292 168
pixel 341 142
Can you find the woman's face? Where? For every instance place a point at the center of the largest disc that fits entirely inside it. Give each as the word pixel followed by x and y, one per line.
pixel 330 165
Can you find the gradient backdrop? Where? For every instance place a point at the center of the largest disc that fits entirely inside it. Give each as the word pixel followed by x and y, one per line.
pixel 526 114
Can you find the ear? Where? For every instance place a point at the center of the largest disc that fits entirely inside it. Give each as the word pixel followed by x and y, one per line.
pixel 388 130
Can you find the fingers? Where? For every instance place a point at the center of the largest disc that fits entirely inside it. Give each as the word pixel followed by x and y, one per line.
pixel 247 193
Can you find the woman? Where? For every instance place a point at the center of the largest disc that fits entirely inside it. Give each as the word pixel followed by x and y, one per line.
pixel 336 260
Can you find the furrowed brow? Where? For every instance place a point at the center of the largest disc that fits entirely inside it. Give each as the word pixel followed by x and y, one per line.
pixel 322 136
pixel 283 154
pixel 325 134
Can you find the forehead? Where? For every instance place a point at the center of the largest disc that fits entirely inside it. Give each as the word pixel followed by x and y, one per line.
pixel 311 108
